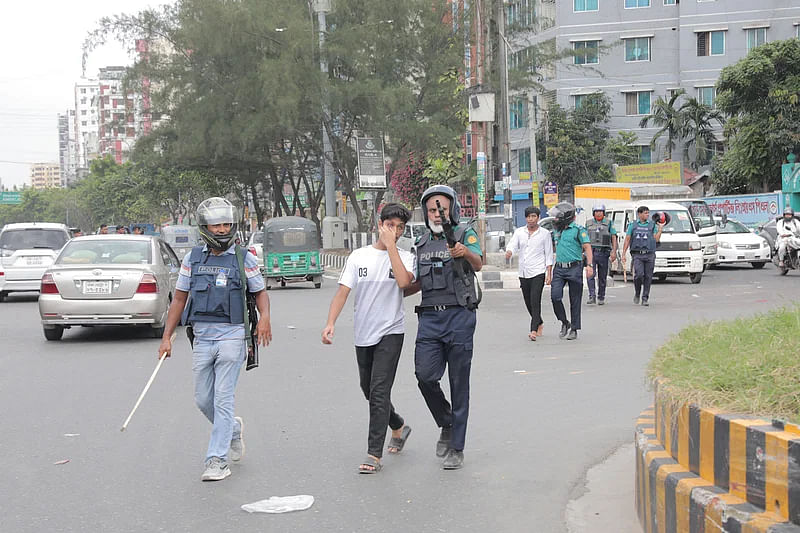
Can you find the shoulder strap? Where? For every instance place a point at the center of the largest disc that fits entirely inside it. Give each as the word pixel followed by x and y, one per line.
pixel 240 259
pixel 460 232
pixel 196 255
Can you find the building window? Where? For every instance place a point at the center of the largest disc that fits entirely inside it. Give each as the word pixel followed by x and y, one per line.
pixel 83 122
pixel 706 95
pixel 756 37
pixel 637 103
pixel 637 49
pixel 579 99
pixel 636 3
pixel 524 155
pixel 469 159
pixel 797 31
pixel 670 2
pixel 586 52
pixel 520 13
pixel 83 91
pixel 469 139
pixel 711 43
pixel 83 100
pixel 518 117
pixel 645 156
pixel 83 111
pixel 522 60
pixel 585 5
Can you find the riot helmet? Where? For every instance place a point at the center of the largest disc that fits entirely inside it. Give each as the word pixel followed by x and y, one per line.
pixel 563 214
pixel 212 211
pixel 598 207
pixel 444 190
pixel 788 211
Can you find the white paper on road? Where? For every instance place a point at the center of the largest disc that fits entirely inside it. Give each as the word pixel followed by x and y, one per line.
pixel 280 504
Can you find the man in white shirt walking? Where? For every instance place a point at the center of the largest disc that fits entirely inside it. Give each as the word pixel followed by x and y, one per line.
pixel 534 245
pixel 377 274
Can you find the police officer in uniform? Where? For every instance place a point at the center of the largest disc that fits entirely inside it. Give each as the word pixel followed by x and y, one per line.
pixel 447 318
pixel 642 236
pixel 211 275
pixel 572 242
pixel 603 238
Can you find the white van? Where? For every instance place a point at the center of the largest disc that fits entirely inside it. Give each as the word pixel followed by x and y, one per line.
pixel 26 251
pixel 413 231
pixel 679 252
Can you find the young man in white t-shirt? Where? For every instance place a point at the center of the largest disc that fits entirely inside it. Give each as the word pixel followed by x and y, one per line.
pixel 378 274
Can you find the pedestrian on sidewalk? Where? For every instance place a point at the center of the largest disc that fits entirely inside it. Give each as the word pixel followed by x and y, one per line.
pixel 378 274
pixel 211 274
pixel 641 238
pixel 603 238
pixel 534 245
pixel 447 317
pixel 572 242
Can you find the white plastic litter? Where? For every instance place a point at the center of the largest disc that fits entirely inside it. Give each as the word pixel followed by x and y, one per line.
pixel 280 504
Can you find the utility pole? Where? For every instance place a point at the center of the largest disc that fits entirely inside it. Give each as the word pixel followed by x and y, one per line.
pixel 321 8
pixel 504 123
pixel 532 133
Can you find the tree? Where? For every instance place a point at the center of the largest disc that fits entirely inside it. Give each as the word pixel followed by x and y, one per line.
pixel 670 120
pixel 698 131
pixel 761 95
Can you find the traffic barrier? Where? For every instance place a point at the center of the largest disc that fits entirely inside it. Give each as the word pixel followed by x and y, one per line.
pixel 334 261
pixel 699 470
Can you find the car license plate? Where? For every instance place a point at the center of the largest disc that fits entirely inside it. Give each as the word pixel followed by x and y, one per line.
pixel 295 257
pixel 34 260
pixel 96 287
pixel 661 262
pixel 750 255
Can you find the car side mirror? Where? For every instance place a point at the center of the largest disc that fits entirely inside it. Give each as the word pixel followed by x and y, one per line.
pixel 697 223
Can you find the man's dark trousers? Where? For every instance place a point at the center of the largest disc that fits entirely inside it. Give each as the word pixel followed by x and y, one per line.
pixel 600 257
pixel 377 366
pixel 445 338
pixel 532 293
pixel 643 266
pixel 572 276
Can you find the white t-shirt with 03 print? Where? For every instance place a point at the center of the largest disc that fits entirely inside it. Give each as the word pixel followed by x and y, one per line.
pixel 378 302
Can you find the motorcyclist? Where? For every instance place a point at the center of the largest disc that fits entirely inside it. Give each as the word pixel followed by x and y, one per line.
pixel 788 234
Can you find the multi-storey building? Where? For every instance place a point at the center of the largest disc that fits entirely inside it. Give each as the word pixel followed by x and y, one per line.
pixel 85 125
pixel 635 51
pixel 116 109
pixel 45 175
pixel 67 147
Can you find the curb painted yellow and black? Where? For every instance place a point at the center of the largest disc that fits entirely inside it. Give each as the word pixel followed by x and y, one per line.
pixel 701 471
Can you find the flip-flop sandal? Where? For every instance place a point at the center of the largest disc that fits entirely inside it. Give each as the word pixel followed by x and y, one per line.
pixel 532 335
pixel 364 467
pixel 399 442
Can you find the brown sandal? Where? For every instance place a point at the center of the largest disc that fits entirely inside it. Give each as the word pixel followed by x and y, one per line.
pixel 370 465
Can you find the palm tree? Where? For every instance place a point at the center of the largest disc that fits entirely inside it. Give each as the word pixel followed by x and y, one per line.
pixel 699 130
pixel 668 118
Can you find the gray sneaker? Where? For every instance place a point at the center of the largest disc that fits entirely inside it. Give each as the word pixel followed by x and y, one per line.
pixel 216 470
pixel 236 452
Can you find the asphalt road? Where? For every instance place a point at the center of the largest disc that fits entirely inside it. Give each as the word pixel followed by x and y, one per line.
pixel 542 415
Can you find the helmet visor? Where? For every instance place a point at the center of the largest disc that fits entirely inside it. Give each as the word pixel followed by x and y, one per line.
pixel 211 212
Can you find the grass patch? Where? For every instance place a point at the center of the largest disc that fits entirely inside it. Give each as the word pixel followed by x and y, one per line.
pixel 747 365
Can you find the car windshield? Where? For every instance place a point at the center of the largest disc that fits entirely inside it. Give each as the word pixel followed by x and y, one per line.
pixel 679 222
pixel 733 226
pixel 700 211
pixel 104 252
pixel 495 223
pixel 26 239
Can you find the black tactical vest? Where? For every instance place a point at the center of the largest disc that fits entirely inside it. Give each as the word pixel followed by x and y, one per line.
pixel 599 233
pixel 441 283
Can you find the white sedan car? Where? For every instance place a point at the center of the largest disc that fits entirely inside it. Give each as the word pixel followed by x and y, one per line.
pixel 109 280
pixel 738 244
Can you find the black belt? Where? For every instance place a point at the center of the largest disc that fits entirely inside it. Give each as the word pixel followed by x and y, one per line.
pixel 422 308
pixel 601 248
pixel 641 252
pixel 568 265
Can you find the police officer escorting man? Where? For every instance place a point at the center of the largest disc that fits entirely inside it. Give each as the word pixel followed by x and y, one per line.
pixel 572 242
pixel 603 238
pixel 211 275
pixel 447 319
pixel 641 238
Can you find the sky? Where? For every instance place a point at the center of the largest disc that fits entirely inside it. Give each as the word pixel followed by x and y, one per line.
pixel 40 61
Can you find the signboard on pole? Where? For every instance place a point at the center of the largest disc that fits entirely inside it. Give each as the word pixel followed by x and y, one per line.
pixel 481 156
pixel 371 167
pixel 10 198
pixel 667 173
pixel 535 193
pixel 550 193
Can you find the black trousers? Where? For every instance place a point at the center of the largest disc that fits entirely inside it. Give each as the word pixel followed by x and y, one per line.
pixel 600 257
pixel 532 294
pixel 573 277
pixel 444 338
pixel 643 266
pixel 377 366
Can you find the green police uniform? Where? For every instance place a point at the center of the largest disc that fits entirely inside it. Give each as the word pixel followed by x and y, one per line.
pixel 569 243
pixel 471 240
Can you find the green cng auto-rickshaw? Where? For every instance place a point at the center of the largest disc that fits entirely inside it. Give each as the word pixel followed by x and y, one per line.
pixel 291 251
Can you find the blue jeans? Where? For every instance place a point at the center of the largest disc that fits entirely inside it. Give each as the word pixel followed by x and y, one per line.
pixel 572 277
pixel 216 366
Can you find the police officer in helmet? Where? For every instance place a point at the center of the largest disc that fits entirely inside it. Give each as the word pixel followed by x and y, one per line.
pixel 572 242
pixel 603 238
pixel 447 318
pixel 211 275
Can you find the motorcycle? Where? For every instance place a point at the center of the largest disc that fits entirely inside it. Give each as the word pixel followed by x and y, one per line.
pixel 791 262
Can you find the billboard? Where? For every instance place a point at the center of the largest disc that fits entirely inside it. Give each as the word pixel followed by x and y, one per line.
pixel 749 209
pixel 667 173
pixel 371 165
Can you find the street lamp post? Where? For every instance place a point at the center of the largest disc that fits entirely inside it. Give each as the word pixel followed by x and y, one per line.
pixel 321 8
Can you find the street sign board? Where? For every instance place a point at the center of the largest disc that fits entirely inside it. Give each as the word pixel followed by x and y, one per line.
pixel 550 191
pixel 535 193
pixel 371 166
pixel 10 197
pixel 481 184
